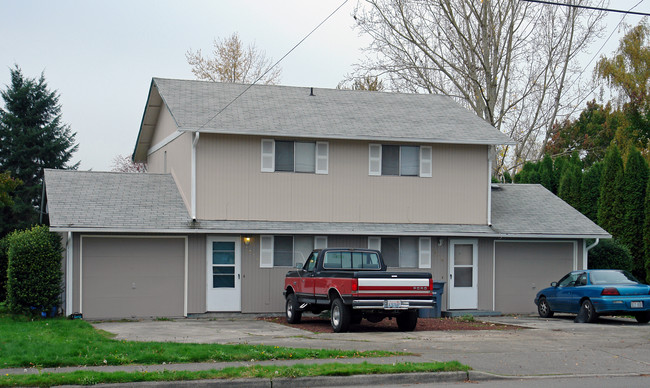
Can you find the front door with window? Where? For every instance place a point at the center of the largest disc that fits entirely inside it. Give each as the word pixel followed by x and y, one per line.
pixel 223 274
pixel 463 290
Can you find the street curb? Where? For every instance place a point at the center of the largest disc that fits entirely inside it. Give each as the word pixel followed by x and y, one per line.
pixel 299 382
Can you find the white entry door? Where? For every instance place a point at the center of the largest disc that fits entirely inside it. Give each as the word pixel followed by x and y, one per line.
pixel 224 273
pixel 463 264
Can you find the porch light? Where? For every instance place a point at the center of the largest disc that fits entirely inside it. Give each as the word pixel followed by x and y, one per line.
pixel 247 240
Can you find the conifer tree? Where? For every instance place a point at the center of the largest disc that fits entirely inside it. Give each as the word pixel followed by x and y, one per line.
pixel 546 175
pixel 570 185
pixel 634 192
pixel 610 209
pixel 590 191
pixel 33 138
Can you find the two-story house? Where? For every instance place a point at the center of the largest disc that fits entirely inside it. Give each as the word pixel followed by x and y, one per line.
pixel 243 182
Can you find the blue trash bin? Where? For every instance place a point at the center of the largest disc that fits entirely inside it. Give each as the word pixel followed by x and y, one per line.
pixel 435 312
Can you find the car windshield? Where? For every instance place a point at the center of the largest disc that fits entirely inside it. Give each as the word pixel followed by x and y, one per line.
pixel 612 277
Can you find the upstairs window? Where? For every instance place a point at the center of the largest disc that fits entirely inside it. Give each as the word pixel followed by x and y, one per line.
pixel 295 156
pixel 400 160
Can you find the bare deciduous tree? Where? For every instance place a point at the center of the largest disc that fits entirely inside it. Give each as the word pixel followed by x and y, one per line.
pixel 511 62
pixel 124 163
pixel 366 82
pixel 231 62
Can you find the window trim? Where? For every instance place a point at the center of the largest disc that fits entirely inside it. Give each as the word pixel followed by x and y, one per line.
pixel 425 162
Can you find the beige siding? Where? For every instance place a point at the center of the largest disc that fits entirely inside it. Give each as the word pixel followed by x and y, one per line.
pixel 165 126
pixel 485 264
pixel 523 268
pixel 179 159
pixel 196 276
pixel 261 287
pixel 231 186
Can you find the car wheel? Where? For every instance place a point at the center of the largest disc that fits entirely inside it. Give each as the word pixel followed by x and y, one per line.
pixel 643 317
pixel 407 320
pixel 544 309
pixel 292 310
pixel 340 316
pixel 587 308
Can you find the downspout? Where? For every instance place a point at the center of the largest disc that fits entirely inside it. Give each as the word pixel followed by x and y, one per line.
pixel 489 186
pixel 585 256
pixel 195 141
pixel 68 274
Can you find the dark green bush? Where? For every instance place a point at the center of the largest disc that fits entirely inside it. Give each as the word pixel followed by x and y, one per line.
pixel 34 273
pixel 610 254
pixel 4 245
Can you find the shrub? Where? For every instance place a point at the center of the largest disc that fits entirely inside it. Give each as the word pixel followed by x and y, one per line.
pixel 4 245
pixel 34 273
pixel 610 254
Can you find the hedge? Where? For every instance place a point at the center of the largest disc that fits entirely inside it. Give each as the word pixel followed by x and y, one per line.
pixel 34 276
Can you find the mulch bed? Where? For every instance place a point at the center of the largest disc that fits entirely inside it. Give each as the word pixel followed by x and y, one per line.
pixel 319 324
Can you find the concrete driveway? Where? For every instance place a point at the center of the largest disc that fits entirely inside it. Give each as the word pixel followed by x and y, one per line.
pixel 556 346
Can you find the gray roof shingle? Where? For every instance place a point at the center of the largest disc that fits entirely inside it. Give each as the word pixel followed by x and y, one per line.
pixel 269 110
pixel 521 210
pixel 110 201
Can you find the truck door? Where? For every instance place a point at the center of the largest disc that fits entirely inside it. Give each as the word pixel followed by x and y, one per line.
pixel 307 281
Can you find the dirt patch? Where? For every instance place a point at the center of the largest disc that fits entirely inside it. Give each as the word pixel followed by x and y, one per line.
pixel 322 325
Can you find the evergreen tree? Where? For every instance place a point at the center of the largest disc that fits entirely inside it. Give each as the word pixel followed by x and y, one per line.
pixel 570 185
pixel 590 191
pixel 646 233
pixel 634 190
pixel 610 209
pixel 546 176
pixel 33 138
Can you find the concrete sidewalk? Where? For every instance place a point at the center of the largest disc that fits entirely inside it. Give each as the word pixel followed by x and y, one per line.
pixel 553 347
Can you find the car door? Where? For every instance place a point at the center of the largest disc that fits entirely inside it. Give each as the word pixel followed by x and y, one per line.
pixel 564 293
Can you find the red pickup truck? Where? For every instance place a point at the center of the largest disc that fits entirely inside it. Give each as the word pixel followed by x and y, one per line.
pixel 353 284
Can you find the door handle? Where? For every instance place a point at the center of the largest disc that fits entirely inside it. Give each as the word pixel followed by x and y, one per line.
pixel 238 276
pixel 451 276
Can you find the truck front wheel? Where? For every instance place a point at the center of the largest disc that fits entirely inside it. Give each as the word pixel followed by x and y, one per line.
pixel 407 320
pixel 340 316
pixel 292 309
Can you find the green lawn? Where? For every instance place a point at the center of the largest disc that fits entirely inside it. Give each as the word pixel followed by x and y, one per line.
pixel 265 372
pixel 62 342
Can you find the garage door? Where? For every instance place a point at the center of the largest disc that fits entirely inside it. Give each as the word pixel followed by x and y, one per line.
pixel 524 268
pixel 132 277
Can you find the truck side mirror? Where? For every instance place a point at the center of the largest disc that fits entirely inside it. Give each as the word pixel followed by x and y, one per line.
pixel 299 265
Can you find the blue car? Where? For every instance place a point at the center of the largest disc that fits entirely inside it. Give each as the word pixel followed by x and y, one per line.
pixel 598 292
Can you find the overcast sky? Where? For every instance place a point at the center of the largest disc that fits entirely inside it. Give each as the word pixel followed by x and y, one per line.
pixel 101 55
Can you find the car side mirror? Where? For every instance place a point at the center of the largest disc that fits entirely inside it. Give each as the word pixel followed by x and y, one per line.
pixel 553 284
pixel 299 265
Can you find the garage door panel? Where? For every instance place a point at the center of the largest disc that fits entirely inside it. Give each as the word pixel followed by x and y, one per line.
pixel 133 277
pixel 524 268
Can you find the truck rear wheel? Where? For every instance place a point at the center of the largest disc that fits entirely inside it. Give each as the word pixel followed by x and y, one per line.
pixel 407 320
pixel 292 309
pixel 340 316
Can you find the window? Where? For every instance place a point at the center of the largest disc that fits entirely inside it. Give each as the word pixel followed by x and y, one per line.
pixel 283 251
pixel 351 260
pixel 287 251
pixel 295 156
pixel 403 252
pixel 399 160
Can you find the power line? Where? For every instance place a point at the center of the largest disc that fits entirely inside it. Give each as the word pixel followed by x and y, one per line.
pixel 588 7
pixel 274 65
